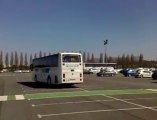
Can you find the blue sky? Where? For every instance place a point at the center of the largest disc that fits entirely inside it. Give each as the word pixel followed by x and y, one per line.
pixel 73 25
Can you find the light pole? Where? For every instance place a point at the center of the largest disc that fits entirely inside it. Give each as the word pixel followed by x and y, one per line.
pixel 105 43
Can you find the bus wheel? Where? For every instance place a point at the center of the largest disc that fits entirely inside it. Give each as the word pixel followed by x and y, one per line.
pixel 49 80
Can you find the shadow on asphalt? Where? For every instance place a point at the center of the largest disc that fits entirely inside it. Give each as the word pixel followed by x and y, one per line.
pixel 44 85
pixel 154 81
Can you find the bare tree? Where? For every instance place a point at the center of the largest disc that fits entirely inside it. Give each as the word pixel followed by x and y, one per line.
pixel 84 57
pixel 35 55
pixel 7 59
pixel 11 59
pixel 141 60
pixel 92 58
pixel 21 59
pixel 132 60
pixel 30 61
pixel 40 54
pixel 88 57
pixel 16 59
pixel 101 58
pixel 127 60
pixel 44 54
pixel 1 60
pixel 26 61
pixel 123 60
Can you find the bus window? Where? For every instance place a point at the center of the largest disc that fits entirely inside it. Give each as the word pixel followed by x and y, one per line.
pixel 71 58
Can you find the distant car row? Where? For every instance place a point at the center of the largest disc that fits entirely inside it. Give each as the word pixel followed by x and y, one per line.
pixel 21 71
pixel 138 73
pixel 108 71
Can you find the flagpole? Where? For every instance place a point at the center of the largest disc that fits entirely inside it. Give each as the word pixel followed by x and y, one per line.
pixel 105 58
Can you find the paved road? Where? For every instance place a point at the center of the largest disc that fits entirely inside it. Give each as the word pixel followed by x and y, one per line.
pixel 98 98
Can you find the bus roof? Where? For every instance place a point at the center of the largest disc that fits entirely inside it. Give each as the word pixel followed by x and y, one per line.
pixel 77 53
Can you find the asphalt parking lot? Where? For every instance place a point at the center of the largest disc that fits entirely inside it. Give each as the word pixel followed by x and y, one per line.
pixel 98 98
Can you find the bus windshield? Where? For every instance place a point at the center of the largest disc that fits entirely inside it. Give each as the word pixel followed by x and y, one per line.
pixel 71 58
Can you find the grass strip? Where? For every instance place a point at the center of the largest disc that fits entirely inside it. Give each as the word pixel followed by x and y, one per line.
pixel 86 93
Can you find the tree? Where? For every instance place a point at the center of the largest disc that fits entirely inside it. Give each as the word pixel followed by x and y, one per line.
pixel 105 58
pixel 7 60
pixel 26 61
pixel 35 55
pixel 88 57
pixel 141 60
pixel 132 60
pixel 119 62
pixel 101 58
pixel 21 59
pixel 127 60
pixel 110 59
pixel 84 57
pixel 30 60
pixel 11 59
pixel 49 53
pixel 123 60
pixel 44 54
pixel 1 60
pixel 92 60
pixel 16 59
pixel 40 54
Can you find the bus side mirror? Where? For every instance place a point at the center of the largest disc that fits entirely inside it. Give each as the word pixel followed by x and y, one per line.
pixel 31 67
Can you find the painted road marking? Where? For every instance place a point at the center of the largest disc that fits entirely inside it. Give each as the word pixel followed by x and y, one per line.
pixel 90 101
pixel 130 103
pixel 89 93
pixel 76 94
pixel 92 111
pixel 3 98
pixel 19 97
pixel 152 89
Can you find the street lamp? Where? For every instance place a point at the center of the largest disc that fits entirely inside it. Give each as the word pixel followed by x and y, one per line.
pixel 105 43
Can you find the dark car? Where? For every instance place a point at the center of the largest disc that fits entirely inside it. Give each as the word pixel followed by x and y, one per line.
pixel 129 72
pixel 106 73
pixel 154 75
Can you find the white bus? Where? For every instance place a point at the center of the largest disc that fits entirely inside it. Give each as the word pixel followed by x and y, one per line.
pixel 61 68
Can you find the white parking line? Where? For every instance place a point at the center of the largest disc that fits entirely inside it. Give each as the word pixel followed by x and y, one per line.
pixel 19 97
pixel 89 101
pixel 152 89
pixel 130 103
pixel 3 98
pixel 92 111
pixel 49 90
pixel 33 105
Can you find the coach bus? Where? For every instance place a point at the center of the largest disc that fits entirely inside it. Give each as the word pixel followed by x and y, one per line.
pixel 61 68
pixel 99 65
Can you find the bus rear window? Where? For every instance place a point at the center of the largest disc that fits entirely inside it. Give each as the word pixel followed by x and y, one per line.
pixel 71 58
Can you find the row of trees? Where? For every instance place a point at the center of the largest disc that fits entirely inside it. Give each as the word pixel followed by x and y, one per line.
pixel 15 60
pixel 123 61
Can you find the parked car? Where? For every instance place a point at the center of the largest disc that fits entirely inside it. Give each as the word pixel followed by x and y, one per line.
pixel 85 71
pixel 93 71
pixel 129 72
pixel 143 73
pixel 154 75
pixel 18 71
pixel 106 73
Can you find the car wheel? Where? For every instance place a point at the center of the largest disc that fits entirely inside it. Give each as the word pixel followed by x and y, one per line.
pixel 141 76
